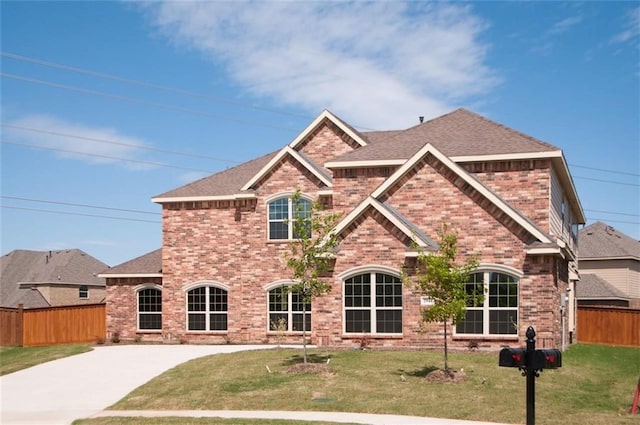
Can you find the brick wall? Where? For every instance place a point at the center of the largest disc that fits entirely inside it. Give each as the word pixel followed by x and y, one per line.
pixel 122 308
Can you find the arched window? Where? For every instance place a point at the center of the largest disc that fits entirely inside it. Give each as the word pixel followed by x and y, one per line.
pixel 207 309
pixel 282 214
pixel 149 309
pixel 373 303
pixel 492 306
pixel 286 310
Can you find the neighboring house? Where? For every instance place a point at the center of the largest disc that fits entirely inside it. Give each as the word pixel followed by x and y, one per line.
pixel 219 275
pixel 609 267
pixel 50 278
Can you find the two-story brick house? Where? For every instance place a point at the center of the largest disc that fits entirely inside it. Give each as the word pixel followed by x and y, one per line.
pixel 219 274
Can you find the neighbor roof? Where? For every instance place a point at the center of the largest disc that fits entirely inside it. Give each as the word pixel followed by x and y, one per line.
pixel 592 286
pixel 600 241
pixel 149 265
pixel 71 266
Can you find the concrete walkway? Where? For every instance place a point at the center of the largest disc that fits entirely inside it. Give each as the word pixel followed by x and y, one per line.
pixel 83 385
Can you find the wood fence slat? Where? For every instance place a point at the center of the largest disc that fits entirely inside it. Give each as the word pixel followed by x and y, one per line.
pixel 609 325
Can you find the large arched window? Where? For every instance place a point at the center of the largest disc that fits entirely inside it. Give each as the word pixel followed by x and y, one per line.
pixel 492 305
pixel 373 303
pixel 207 308
pixel 282 215
pixel 286 310
pixel 149 308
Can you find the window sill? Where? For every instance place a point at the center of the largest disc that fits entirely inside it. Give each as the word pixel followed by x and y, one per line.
pixel 207 332
pixel 479 337
pixel 371 336
pixel 149 331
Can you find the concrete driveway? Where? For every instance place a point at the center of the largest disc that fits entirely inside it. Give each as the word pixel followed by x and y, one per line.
pixel 61 391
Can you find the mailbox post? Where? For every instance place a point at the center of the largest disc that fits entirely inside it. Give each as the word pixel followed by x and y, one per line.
pixel 531 362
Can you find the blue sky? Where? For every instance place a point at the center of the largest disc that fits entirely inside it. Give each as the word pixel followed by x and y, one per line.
pixel 107 104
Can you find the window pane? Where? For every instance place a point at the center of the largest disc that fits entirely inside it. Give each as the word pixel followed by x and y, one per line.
pixel 503 291
pixel 150 321
pixel 278 322
pixel 388 291
pixel 472 323
pixel 278 230
pixel 475 290
pixel 296 303
pixel 218 322
pixel 197 299
pixel 297 322
pixel 217 299
pixel 277 300
pixel 358 321
pixel 279 209
pixel 358 291
pixel 196 322
pixel 150 300
pixel 389 321
pixel 503 322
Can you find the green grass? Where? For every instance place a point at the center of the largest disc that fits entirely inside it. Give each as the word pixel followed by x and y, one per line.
pixel 192 421
pixel 595 385
pixel 13 359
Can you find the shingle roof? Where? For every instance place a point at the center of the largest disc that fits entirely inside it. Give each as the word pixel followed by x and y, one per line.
pixel 458 133
pixel 62 266
pixel 227 182
pixel 592 286
pixel 150 263
pixel 599 240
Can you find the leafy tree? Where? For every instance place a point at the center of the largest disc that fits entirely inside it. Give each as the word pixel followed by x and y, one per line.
pixel 310 253
pixel 443 282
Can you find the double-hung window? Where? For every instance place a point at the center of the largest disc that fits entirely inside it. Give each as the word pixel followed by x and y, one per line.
pixel 207 309
pixel 286 311
pixel 149 309
pixel 492 305
pixel 283 213
pixel 373 304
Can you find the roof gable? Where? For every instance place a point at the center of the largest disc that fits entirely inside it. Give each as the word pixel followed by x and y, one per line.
pixel 592 286
pixel 147 265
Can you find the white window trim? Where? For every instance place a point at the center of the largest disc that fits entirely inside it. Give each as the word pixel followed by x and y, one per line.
pixel 372 270
pixel 486 269
pixel 137 290
pixel 86 292
pixel 207 284
pixel 289 220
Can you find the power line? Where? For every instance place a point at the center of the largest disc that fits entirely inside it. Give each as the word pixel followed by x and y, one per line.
pixel 611 212
pixel 111 142
pixel 140 101
pixel 115 158
pixel 612 221
pixel 605 170
pixel 79 205
pixel 607 181
pixel 150 85
pixel 79 214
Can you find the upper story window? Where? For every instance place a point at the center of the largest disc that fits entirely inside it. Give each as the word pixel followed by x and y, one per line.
pixel 373 304
pixel 83 291
pixel 282 215
pixel 492 305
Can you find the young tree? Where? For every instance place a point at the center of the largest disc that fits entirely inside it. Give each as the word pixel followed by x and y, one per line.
pixel 310 254
pixel 443 282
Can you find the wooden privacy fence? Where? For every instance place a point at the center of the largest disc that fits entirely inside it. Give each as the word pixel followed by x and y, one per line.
pixel 609 325
pixel 53 325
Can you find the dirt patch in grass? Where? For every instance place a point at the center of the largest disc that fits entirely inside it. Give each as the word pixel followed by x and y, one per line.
pixel 317 368
pixel 447 376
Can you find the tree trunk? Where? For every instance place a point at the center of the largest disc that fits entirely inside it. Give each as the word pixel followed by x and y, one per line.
pixel 304 329
pixel 446 352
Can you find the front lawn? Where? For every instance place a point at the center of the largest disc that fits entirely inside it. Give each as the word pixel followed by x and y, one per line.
pixel 13 359
pixel 595 385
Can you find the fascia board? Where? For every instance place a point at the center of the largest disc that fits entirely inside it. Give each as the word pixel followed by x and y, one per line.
pixel 544 251
pixel 350 218
pixel 429 148
pixel 315 123
pixel 393 219
pixel 365 164
pixel 309 167
pixel 160 200
pixel 119 275
pixel 567 180
pixel 507 156
pixel 264 170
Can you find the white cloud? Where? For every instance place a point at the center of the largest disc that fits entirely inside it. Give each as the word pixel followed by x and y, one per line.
pixel 376 64
pixel 631 31
pixel 565 25
pixel 90 144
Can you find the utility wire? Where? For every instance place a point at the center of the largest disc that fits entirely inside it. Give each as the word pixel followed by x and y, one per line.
pixel 111 142
pixel 150 85
pixel 605 170
pixel 79 205
pixel 612 221
pixel 607 181
pixel 115 158
pixel 79 214
pixel 140 101
pixel 611 212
